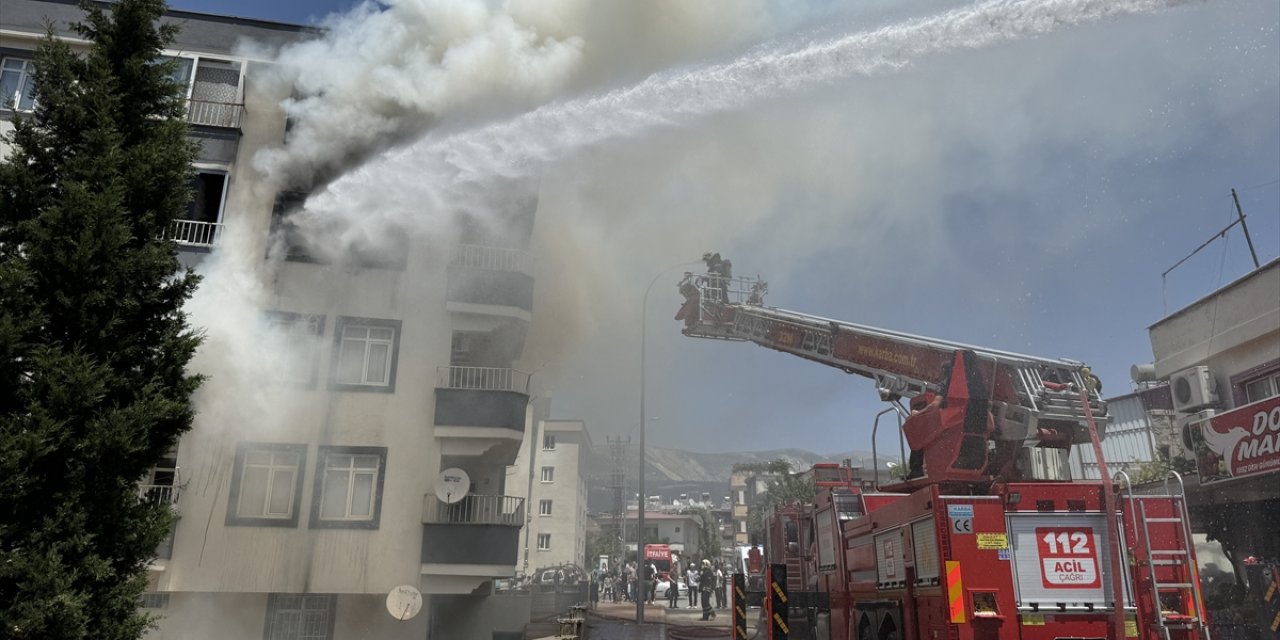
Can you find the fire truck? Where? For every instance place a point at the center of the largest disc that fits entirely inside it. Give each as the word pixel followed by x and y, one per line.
pixel 986 537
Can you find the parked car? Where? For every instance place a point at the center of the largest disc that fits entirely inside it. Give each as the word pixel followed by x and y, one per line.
pixel 664 583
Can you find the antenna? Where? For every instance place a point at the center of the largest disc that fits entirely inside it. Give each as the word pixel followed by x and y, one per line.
pixel 404 602
pixel 452 485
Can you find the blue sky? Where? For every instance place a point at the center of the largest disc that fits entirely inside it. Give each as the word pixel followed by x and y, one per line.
pixel 1025 196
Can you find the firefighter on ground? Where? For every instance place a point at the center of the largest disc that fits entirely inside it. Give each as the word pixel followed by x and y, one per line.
pixel 706 584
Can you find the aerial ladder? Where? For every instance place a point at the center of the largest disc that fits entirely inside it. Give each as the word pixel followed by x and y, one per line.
pixel 985 422
pixel 1033 408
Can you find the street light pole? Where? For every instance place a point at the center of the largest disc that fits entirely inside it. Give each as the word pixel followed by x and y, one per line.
pixel 642 592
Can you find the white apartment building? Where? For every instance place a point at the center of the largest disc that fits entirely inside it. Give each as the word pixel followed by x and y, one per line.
pixel 556 461
pixel 307 490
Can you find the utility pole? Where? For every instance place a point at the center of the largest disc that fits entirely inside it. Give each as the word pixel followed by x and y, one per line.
pixel 617 486
pixel 1240 213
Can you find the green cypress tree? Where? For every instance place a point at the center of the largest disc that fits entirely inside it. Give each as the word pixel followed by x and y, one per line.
pixel 94 344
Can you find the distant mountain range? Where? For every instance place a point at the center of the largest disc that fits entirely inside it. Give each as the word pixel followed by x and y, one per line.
pixel 672 472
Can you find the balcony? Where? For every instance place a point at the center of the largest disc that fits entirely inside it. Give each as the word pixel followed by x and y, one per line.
pixel 158 494
pixel 475 510
pixel 490 280
pixel 210 113
pixel 471 541
pixel 481 410
pixel 195 234
pixel 475 256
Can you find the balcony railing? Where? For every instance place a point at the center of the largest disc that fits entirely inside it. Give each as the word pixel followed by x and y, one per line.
pixel 474 509
pixel 195 233
pixel 215 114
pixel 158 494
pixel 475 256
pixel 482 379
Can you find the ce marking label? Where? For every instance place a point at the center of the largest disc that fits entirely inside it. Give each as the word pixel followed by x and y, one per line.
pixel 962 525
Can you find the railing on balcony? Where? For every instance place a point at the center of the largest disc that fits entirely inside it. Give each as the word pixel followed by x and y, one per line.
pixel 158 494
pixel 474 509
pixel 215 114
pixel 475 256
pixel 195 233
pixel 482 379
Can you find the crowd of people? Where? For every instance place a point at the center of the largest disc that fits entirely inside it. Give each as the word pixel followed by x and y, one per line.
pixel 704 583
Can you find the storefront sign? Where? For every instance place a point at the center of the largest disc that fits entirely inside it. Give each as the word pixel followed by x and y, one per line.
pixel 1246 440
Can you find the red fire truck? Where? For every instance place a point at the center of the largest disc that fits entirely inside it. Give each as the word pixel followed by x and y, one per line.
pixel 987 537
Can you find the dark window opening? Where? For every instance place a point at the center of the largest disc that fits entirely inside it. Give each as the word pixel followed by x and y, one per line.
pixel 207 190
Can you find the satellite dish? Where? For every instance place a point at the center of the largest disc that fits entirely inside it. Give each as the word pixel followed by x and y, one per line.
pixel 452 485
pixel 404 602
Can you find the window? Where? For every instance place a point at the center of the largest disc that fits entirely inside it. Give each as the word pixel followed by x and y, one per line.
pixel 544 507
pixel 677 529
pixel 1262 388
pixel 153 600
pixel 548 443
pixel 365 359
pixel 348 488
pixel 544 542
pixel 215 94
pixel 298 616
pixel 266 484
pixel 294 339
pixel 17 84
pixel 548 474
pixel 468 348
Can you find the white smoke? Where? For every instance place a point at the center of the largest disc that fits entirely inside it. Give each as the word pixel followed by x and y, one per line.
pixel 420 184
pixel 386 72
pixel 627 183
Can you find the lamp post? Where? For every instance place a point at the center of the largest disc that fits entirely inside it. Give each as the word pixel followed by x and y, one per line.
pixel 642 593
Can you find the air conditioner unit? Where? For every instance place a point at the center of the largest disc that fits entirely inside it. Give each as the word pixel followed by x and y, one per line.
pixel 1193 389
pixel 1191 426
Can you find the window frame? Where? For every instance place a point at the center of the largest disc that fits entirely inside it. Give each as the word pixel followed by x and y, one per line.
pixel 204 168
pixel 340 325
pixel 544 542
pixel 26 76
pixel 274 608
pixel 317 492
pixel 549 442
pixel 313 330
pixel 1241 381
pixel 544 507
pixel 548 474
pixel 243 449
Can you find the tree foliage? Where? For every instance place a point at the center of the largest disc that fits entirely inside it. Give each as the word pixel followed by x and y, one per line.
pixel 93 341
pixel 708 534
pixel 786 487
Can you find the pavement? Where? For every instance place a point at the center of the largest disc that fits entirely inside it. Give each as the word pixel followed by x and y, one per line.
pixel 610 621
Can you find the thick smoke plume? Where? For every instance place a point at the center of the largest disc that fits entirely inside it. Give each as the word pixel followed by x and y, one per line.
pixel 386 72
pixel 431 117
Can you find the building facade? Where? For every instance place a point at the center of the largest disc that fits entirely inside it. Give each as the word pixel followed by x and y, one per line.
pixel 1221 356
pixel 556 461
pixel 343 399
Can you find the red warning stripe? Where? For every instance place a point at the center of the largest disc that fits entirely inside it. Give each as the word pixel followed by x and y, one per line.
pixel 955 592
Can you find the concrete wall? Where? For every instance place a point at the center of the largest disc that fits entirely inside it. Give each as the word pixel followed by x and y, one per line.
pixel 210 616
pixel 218 616
pixel 478 617
pixel 1231 330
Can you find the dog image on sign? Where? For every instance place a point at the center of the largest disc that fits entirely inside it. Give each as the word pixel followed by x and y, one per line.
pixel 1068 557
